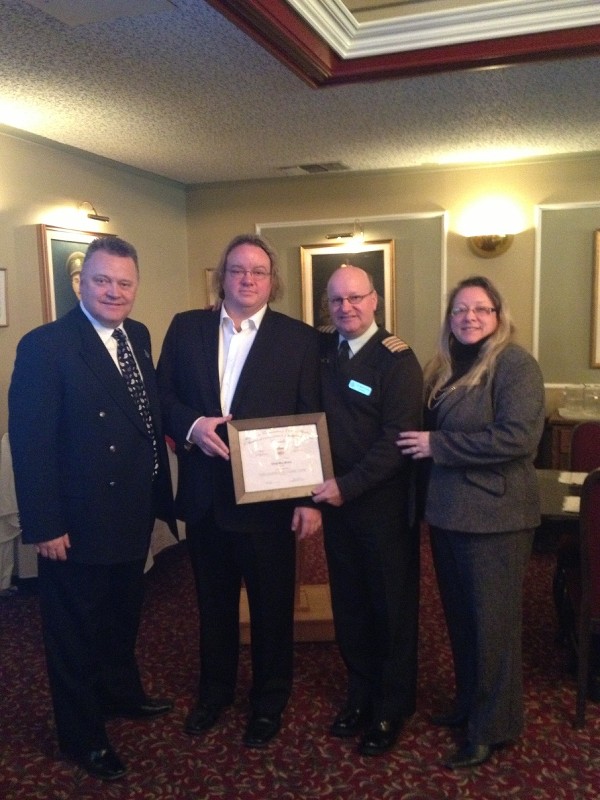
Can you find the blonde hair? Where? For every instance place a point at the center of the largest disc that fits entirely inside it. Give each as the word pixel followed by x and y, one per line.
pixel 438 371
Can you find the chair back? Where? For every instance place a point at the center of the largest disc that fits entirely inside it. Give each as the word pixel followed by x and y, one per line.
pixel 589 527
pixel 589 607
pixel 585 447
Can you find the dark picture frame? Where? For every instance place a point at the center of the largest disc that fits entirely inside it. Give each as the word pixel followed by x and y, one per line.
pixel 61 252
pixel 319 261
pixel 252 481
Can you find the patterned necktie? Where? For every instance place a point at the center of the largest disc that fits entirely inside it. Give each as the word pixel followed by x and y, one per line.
pixel 135 384
pixel 343 354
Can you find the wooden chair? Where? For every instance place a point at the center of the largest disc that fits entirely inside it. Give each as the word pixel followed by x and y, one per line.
pixel 583 587
pixel 585 447
pixel 584 456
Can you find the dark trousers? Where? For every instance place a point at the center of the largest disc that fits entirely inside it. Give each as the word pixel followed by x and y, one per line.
pixel 373 562
pixel 480 577
pixel 265 562
pixel 90 620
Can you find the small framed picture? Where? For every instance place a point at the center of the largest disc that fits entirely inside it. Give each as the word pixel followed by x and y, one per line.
pixel 211 295
pixel 3 300
pixel 595 342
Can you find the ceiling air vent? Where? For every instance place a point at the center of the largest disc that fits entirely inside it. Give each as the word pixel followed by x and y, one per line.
pixel 314 169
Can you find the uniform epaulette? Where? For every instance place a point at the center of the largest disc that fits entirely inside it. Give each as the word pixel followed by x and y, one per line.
pixel 326 328
pixel 394 344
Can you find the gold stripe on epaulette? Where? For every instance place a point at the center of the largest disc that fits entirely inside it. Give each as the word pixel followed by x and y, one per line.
pixel 394 344
pixel 326 328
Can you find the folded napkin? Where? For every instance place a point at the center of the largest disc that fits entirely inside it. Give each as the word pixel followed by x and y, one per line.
pixel 572 478
pixel 571 503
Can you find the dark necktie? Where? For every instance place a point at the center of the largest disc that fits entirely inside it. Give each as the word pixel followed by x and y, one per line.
pixel 343 354
pixel 135 384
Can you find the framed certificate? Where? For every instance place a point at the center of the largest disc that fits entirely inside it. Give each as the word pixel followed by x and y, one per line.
pixel 278 458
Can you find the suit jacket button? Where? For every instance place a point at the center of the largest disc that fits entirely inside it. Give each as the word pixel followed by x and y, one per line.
pixel 102 414
pixel 112 448
pixel 112 484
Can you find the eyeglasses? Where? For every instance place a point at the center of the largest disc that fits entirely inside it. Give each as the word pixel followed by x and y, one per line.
pixel 479 311
pixel 257 274
pixel 353 299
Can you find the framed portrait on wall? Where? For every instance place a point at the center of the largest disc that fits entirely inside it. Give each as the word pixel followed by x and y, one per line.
pixel 211 295
pixel 3 300
pixel 318 262
pixel 62 251
pixel 595 338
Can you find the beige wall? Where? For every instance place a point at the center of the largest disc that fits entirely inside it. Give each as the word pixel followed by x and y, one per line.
pixel 179 234
pixel 216 212
pixel 38 185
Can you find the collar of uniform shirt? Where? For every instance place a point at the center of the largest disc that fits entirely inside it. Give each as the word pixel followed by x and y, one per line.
pixel 360 341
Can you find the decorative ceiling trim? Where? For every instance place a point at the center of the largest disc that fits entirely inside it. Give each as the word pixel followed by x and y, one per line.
pixel 416 30
pixel 286 35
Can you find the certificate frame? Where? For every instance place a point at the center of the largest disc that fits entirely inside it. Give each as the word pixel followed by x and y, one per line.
pixel 245 494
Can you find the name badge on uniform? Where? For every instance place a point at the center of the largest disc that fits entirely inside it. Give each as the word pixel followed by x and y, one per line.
pixel 360 387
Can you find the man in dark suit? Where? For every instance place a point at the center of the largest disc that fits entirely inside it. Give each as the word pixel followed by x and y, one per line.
pixel 91 473
pixel 372 388
pixel 240 361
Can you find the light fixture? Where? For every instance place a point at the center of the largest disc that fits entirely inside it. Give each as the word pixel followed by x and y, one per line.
pixel 356 235
pixel 92 213
pixel 490 224
pixel 490 245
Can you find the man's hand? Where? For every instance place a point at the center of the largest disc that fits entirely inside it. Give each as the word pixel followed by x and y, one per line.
pixel 55 549
pixel 208 440
pixel 306 522
pixel 328 492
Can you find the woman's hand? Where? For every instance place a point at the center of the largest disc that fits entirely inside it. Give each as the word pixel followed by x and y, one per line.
pixel 414 444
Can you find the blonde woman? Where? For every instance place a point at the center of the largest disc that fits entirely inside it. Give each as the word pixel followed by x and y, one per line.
pixel 484 415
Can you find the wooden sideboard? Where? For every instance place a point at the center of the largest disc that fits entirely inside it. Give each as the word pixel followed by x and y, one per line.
pixel 555 446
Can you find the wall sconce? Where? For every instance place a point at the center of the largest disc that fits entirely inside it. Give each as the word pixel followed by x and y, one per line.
pixel 499 214
pixel 356 235
pixel 92 213
pixel 491 245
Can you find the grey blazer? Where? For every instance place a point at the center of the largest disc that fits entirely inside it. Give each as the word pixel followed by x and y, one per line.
pixel 482 478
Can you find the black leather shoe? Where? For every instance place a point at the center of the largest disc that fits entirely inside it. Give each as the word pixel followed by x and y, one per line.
pixel 348 722
pixel 379 737
pixel 103 764
pixel 202 718
pixel 469 755
pixel 453 719
pixel 149 708
pixel 261 729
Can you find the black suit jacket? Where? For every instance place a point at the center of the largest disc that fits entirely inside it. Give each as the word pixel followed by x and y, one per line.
pixel 82 457
pixel 280 377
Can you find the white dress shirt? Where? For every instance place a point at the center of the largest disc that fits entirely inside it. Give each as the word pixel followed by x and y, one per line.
pixel 234 347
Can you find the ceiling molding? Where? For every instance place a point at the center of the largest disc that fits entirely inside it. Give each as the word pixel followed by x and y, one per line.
pixel 292 40
pixel 339 28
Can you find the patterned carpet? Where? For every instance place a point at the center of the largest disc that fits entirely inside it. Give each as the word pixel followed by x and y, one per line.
pixel 550 762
